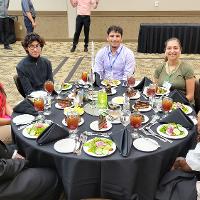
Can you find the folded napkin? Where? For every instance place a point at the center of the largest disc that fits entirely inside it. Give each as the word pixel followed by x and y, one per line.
pixel 179 117
pixel 52 133
pixel 178 96
pixel 97 80
pixel 143 83
pixel 123 141
pixel 26 106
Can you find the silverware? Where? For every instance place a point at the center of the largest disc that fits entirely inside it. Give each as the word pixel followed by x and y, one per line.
pixel 82 140
pixel 102 134
pixel 151 141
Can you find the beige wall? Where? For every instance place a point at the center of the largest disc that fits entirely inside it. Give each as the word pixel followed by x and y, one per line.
pixel 116 5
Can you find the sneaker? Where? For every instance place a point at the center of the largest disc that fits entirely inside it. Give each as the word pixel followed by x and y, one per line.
pixel 85 49
pixel 7 47
pixel 73 49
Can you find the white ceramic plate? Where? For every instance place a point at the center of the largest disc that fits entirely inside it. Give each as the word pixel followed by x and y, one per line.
pixel 161 94
pixel 146 119
pixel 94 126
pixel 71 96
pixel 118 100
pixel 66 145
pixel 194 119
pixel 81 82
pixel 27 135
pixel 113 91
pixel 23 119
pixel 85 149
pixel 61 108
pixel 137 95
pixel 145 144
pixel 171 136
pixel 94 96
pixel 189 109
pixel 143 109
pixel 37 94
pixel 136 83
pixel 66 86
pixel 80 123
pixel 111 82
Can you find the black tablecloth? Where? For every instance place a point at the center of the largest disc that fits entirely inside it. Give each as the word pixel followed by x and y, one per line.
pixel 152 37
pixel 134 177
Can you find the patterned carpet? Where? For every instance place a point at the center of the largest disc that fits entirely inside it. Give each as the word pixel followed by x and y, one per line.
pixel 68 66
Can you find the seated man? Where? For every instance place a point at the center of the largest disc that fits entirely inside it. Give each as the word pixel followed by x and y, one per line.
pixel 114 61
pixel 18 182
pixel 34 70
pixel 182 181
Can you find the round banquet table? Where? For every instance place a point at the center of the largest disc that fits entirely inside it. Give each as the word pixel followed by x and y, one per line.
pixel 134 177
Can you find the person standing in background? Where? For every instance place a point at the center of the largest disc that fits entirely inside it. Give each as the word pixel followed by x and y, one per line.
pixel 4 23
pixel 29 15
pixel 84 8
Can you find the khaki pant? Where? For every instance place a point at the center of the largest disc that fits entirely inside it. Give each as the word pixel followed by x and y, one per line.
pixel 5 134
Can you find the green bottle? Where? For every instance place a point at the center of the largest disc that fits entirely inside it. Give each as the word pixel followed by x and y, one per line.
pixel 102 99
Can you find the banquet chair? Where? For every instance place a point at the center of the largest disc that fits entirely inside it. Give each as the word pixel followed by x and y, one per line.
pixel 19 85
pixel 197 95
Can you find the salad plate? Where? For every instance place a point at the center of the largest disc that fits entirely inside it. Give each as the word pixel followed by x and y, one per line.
pixel 79 124
pixel 172 131
pixel 99 147
pixel 23 119
pixel 113 83
pixel 37 94
pixel 94 126
pixel 34 130
pixel 162 91
pixel 66 86
pixel 77 109
pixel 185 108
pixel 66 145
pixel 118 100
pixel 145 144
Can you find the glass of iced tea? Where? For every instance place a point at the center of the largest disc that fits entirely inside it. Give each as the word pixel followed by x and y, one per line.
pixel 49 87
pixel 167 103
pixel 72 119
pixel 130 80
pixel 135 122
pixel 39 106
pixel 84 76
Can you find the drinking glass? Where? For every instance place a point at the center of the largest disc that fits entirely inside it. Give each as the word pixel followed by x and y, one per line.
pixel 39 107
pixel 167 103
pixel 151 91
pixel 125 117
pixel 49 87
pixel 84 76
pixel 72 119
pixel 58 87
pixel 91 80
pixel 135 122
pixel 130 80
pixel 157 104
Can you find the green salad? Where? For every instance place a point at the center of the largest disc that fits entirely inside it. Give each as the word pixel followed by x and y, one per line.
pixel 183 107
pixel 99 146
pixel 36 129
pixel 66 86
pixel 172 129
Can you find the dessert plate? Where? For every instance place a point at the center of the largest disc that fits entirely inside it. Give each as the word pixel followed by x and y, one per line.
pixel 23 119
pixel 37 94
pixel 94 126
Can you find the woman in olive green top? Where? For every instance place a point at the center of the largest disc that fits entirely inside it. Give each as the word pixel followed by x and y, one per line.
pixel 175 72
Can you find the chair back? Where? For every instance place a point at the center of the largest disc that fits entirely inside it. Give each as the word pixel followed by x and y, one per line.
pixel 19 85
pixel 197 95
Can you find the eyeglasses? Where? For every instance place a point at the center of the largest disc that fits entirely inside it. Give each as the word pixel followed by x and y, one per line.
pixel 32 47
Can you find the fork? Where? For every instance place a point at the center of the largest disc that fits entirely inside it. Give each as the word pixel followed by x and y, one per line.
pixel 82 140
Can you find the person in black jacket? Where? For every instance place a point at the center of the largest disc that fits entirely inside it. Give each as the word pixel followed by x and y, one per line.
pixel 18 181
pixel 34 69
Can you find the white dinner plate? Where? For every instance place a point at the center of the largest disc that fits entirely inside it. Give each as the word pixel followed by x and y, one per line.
pixel 23 119
pixel 143 109
pixel 81 82
pixel 85 148
pixel 113 83
pixel 118 100
pixel 61 108
pixel 80 123
pixel 27 135
pixel 165 93
pixel 146 119
pixel 113 91
pixel 136 96
pixel 37 94
pixel 171 136
pixel 189 109
pixel 194 119
pixel 145 144
pixel 94 126
pixel 66 145
pixel 136 83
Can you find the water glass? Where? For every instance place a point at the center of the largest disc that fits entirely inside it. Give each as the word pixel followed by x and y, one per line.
pixel 125 117
pixel 130 80
pixel 47 105
pixel 135 122
pixel 157 105
pixel 58 87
